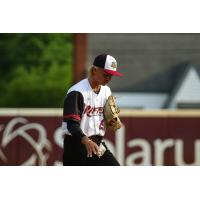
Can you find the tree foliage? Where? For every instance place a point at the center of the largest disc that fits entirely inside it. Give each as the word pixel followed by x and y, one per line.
pixel 35 69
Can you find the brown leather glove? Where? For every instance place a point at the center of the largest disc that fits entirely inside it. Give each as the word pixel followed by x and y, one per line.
pixel 111 114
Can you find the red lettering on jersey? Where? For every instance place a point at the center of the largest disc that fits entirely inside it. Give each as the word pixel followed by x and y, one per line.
pixel 89 111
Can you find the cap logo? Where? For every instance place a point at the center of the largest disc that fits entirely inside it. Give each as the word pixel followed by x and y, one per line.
pixel 114 65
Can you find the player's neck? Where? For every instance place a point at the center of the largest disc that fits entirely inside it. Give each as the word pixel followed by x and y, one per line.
pixel 94 85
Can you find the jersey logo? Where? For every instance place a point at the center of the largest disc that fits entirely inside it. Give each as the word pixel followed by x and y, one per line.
pixel 93 111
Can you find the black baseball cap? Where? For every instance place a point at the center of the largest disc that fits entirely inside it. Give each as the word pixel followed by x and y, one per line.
pixel 108 63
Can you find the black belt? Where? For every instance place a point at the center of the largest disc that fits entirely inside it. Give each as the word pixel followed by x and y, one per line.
pixel 96 138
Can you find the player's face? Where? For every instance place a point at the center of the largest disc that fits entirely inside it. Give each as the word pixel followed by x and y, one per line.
pixel 103 77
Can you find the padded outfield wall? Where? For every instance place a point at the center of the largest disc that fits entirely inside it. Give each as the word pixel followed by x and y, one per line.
pixel 162 137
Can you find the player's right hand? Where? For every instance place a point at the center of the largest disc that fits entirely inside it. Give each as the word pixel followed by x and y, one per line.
pixel 91 146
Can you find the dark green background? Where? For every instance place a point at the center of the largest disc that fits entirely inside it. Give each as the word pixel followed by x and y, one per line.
pixel 35 69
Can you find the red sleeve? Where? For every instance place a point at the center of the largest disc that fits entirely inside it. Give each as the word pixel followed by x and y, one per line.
pixel 73 106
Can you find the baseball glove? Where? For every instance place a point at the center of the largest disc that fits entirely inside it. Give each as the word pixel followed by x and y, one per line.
pixel 111 114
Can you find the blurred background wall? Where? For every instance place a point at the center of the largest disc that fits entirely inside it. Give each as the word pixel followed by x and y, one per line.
pixel 160 70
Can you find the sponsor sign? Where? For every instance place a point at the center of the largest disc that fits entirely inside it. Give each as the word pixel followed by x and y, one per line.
pixel 146 138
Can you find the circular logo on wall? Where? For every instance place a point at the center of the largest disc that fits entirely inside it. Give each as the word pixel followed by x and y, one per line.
pixel 31 139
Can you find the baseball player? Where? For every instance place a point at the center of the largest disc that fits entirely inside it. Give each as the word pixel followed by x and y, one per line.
pixel 83 120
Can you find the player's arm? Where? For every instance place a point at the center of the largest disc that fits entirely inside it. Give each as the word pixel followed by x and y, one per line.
pixel 72 112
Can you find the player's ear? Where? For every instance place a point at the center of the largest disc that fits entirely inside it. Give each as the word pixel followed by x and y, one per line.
pixel 94 70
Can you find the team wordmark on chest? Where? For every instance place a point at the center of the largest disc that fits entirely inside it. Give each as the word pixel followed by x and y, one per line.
pixel 91 111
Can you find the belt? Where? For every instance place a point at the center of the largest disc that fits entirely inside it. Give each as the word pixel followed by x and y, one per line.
pixel 96 138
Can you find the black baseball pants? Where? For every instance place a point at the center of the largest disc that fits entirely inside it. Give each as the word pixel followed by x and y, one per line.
pixel 75 154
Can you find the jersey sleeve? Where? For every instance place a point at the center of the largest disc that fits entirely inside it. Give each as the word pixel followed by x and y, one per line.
pixel 73 106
